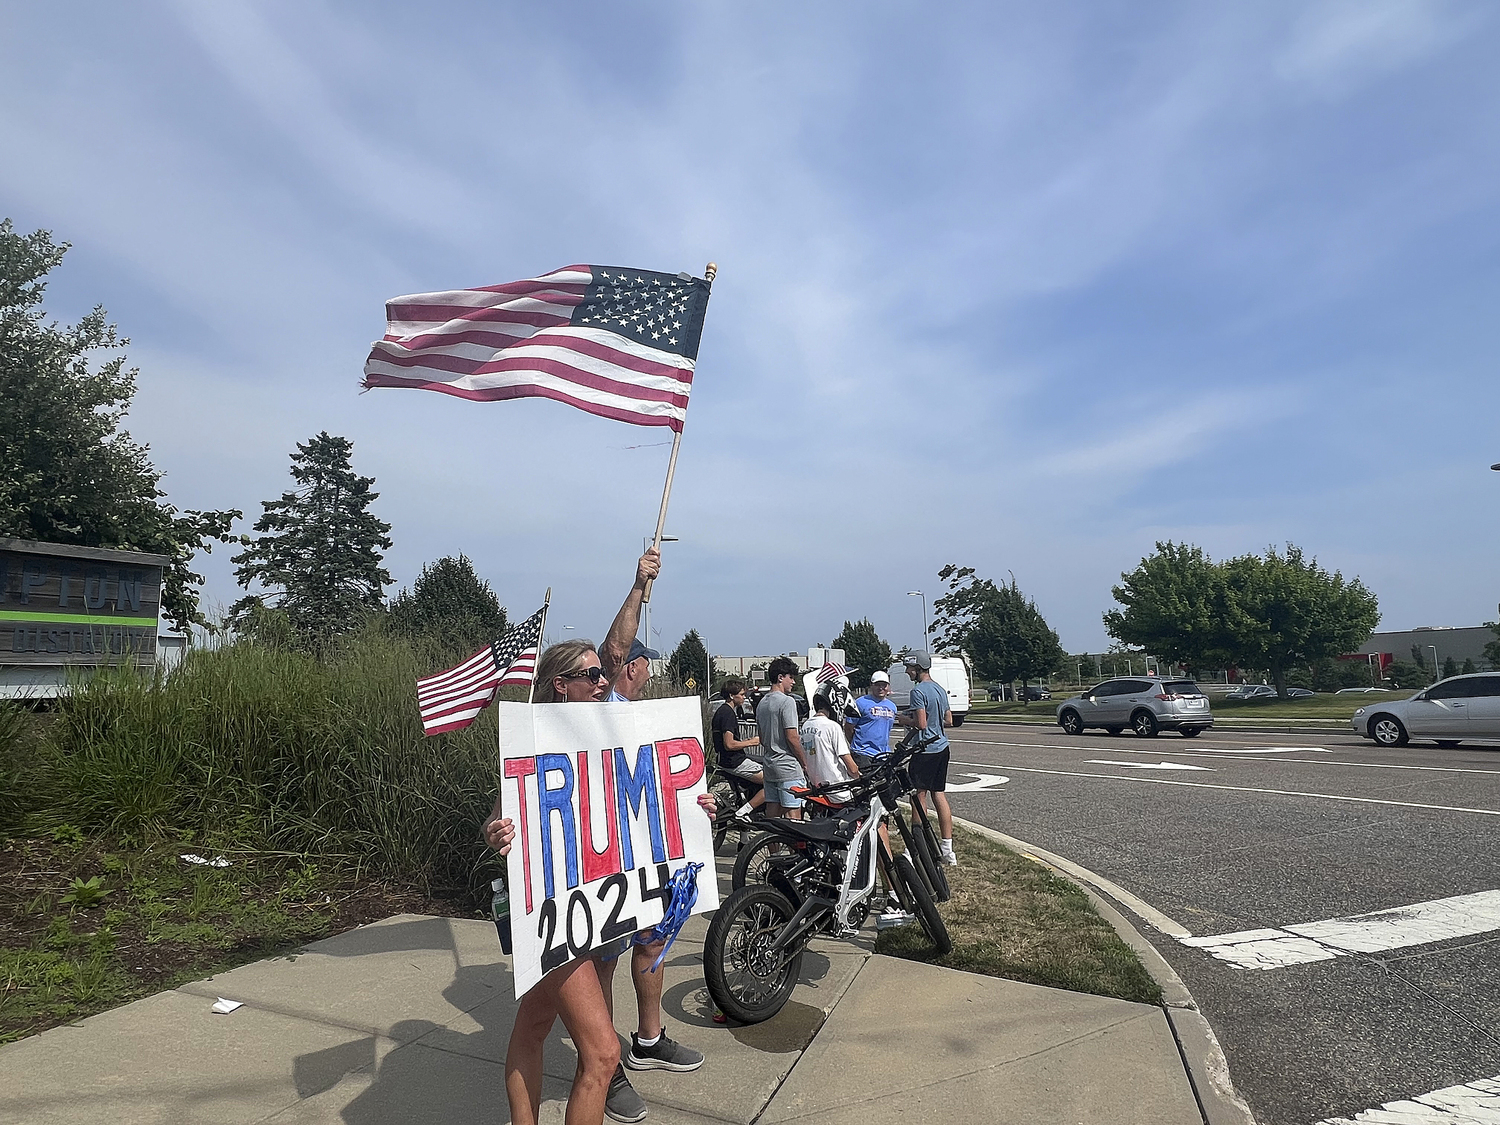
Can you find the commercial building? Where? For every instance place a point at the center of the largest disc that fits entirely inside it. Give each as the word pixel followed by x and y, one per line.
pixel 1463 643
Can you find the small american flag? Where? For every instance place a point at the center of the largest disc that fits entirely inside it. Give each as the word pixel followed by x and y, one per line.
pixel 830 671
pixel 450 700
pixel 615 342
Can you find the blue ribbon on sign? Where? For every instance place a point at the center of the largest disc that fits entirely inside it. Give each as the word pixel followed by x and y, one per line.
pixel 684 884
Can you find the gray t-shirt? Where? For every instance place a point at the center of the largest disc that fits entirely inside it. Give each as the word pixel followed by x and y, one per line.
pixel 932 698
pixel 775 715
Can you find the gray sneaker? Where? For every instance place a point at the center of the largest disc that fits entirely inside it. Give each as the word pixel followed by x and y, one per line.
pixel 622 1103
pixel 664 1054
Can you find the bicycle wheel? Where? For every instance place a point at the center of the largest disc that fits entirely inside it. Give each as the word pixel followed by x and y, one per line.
pixel 914 897
pixel 753 861
pixel 927 851
pixel 747 982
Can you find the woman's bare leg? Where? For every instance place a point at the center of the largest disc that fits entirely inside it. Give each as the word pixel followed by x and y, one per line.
pixel 571 992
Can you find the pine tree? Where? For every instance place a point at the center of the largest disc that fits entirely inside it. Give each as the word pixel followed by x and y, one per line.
pixel 318 556
pixel 864 651
pixel 689 661
pixel 450 604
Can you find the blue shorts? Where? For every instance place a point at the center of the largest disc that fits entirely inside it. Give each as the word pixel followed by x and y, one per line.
pixel 780 792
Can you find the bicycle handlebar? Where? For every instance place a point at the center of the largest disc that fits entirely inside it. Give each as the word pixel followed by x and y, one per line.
pixel 911 745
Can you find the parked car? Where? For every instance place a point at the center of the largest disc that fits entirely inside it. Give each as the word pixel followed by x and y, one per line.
pixel 1144 704
pixel 1029 692
pixel 1252 691
pixel 1298 693
pixel 1451 711
pixel 1359 690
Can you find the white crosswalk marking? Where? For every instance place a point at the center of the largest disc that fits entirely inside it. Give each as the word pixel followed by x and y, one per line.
pixel 1473 1103
pixel 1377 932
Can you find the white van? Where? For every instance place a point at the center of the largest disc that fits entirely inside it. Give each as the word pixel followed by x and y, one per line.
pixel 950 671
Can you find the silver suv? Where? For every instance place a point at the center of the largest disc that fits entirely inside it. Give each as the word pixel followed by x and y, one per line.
pixel 1144 704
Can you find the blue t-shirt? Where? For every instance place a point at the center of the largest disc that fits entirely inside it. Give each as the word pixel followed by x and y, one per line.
pixel 872 730
pixel 932 698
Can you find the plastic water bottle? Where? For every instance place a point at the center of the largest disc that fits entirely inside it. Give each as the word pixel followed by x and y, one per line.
pixel 500 911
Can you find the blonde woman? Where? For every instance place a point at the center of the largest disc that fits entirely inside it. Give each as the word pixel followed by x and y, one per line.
pixel 566 673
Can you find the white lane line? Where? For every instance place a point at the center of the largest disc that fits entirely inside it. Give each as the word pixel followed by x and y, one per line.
pixel 1260 750
pixel 1243 789
pixel 1473 1103
pixel 1419 924
pixel 1148 765
pixel 1228 750
pixel 982 781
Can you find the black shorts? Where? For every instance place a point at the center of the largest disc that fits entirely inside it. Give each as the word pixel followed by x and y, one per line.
pixel 930 771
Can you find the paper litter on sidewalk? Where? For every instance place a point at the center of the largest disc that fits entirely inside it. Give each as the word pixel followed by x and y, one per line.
pixel 223 1007
pixel 217 861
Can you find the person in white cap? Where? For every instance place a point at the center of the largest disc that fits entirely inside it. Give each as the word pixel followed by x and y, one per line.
pixel 870 733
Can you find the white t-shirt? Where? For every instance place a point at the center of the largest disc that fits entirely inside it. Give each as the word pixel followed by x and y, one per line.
pixel 824 744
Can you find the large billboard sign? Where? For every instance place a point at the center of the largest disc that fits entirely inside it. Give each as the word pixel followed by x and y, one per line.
pixel 604 800
pixel 64 605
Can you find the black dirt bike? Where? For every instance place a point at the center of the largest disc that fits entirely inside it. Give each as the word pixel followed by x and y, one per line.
pixel 752 957
pixel 753 861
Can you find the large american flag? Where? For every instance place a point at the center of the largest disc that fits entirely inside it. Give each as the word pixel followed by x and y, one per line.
pixel 619 343
pixel 451 700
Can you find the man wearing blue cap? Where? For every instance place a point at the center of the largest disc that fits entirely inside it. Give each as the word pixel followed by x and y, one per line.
pixel 627 663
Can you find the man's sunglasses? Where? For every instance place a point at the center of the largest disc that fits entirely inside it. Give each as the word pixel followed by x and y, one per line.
pixel 594 674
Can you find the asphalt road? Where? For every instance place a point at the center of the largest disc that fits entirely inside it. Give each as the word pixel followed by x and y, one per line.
pixel 1269 831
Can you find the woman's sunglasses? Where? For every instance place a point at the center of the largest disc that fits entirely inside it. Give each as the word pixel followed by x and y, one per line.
pixel 594 674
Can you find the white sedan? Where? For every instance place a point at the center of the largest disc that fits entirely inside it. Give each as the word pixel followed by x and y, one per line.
pixel 1460 709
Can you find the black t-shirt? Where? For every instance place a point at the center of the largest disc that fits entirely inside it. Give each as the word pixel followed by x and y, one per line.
pixel 726 721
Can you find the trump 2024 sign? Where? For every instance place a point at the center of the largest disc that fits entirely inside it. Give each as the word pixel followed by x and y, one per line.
pixel 604 800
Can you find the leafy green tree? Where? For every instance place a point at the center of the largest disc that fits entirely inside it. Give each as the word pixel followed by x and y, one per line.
pixel 1468 667
pixel 1450 667
pixel 1175 607
pixel 450 604
pixel 319 552
pixel 1284 609
pixel 1400 674
pixel 689 660
pixel 1492 650
pixel 1000 629
pixel 68 472
pixel 864 651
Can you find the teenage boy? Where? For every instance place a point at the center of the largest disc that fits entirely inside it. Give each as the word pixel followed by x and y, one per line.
pixel 784 762
pixel 870 733
pixel 730 748
pixel 827 750
pixel 929 769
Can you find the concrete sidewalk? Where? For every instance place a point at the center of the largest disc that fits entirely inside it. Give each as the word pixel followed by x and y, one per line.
pixel 407 1020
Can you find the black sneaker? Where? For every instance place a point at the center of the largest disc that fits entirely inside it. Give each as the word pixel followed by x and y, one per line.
pixel 622 1103
pixel 664 1054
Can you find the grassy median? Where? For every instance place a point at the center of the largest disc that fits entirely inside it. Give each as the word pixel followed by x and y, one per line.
pixel 1011 917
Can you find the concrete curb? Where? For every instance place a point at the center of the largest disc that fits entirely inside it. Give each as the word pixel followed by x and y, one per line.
pixel 1202 1057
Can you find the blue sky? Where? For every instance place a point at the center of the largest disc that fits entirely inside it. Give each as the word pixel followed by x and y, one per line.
pixel 1022 287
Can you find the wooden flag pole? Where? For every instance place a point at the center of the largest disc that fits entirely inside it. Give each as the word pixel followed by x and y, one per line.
pixel 540 634
pixel 709 273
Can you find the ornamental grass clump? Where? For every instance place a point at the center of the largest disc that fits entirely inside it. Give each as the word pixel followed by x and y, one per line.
pixel 275 749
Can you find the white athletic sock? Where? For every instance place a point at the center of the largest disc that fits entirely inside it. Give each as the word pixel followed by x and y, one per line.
pixel 653 1041
pixel 946 845
pixel 744 810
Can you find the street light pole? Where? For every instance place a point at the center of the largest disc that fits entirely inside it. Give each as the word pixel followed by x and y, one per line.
pixel 926 639
pixel 1437 672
